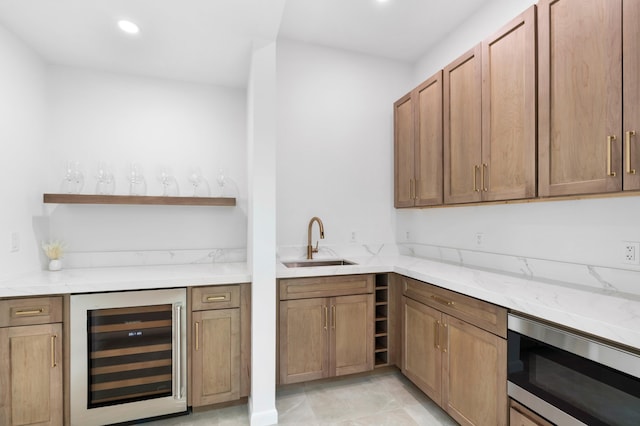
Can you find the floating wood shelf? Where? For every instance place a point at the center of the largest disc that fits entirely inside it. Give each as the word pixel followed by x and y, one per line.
pixel 137 199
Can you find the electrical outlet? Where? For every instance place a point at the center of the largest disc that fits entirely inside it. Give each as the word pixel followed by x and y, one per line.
pixel 479 239
pixel 354 236
pixel 407 236
pixel 631 253
pixel 15 242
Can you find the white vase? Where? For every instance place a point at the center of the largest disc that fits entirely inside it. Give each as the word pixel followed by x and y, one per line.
pixel 55 264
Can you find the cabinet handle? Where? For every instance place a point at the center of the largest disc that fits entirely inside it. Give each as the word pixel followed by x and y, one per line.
pixel 178 364
pixel 436 337
pixel 215 298
pixel 484 185
pixel 333 317
pixel 197 332
pixel 326 314
pixel 54 362
pixel 610 140
pixel 628 153
pixel 443 301
pixel 475 178
pixel 415 189
pixel 30 312
pixel 444 347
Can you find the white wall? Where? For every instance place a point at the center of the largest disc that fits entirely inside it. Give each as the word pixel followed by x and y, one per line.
pixel 587 232
pixel 97 116
pixel 335 150
pixel 22 112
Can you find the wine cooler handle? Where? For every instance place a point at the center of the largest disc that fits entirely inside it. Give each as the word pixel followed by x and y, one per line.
pixel 178 343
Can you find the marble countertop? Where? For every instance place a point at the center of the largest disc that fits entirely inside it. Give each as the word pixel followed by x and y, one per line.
pixel 87 280
pixel 609 314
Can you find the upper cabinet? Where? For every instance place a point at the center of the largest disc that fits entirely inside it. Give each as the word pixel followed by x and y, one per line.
pixel 580 95
pixel 418 145
pixel 631 99
pixel 463 128
pixel 490 117
pixel 509 111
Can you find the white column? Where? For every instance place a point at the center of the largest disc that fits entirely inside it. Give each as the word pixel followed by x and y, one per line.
pixel 261 235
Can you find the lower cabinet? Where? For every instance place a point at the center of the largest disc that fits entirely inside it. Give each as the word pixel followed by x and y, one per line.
pixel 519 415
pixel 216 336
pixel 460 365
pixel 31 362
pixel 325 336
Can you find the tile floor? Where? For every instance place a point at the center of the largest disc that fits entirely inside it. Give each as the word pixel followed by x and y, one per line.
pixel 381 398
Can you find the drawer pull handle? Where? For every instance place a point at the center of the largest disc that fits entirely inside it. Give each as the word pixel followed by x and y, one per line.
pixel 215 298
pixel 54 362
pixel 30 312
pixel 443 301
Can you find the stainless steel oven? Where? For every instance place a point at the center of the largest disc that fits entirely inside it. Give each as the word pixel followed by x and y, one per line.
pixel 128 356
pixel 569 378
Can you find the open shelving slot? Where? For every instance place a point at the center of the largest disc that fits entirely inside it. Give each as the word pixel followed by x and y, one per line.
pixel 137 199
pixel 381 350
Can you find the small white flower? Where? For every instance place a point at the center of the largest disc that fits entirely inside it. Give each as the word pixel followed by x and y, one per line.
pixel 54 249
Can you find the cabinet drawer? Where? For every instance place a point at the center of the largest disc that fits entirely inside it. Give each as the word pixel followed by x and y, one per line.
pixel 215 297
pixel 485 315
pixel 32 310
pixel 305 288
pixel 519 415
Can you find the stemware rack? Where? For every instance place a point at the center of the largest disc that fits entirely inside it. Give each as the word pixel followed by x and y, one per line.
pixel 137 199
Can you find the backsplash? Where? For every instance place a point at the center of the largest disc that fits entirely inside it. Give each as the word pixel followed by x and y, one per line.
pixel 99 259
pixel 607 280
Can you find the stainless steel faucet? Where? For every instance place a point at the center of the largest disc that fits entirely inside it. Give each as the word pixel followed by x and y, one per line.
pixel 310 249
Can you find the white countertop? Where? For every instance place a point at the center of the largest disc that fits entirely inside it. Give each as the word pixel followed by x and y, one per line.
pixel 608 314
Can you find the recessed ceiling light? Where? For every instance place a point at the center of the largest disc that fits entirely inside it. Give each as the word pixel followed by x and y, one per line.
pixel 128 27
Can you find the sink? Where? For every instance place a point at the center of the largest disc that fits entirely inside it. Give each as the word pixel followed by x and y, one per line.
pixel 310 263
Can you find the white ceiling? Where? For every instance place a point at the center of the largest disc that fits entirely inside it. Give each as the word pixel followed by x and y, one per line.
pixel 210 40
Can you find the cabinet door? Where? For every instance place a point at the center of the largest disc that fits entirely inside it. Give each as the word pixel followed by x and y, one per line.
pixel 463 128
pixel 428 146
pixel 31 375
pixel 579 95
pixel 403 124
pixel 631 84
pixel 509 111
pixel 422 355
pixel 474 375
pixel 216 356
pixel 304 348
pixel 352 323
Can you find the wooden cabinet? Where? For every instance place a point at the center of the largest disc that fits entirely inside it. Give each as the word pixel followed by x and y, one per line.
pixel 490 117
pixel 519 415
pixel 580 95
pixel 631 93
pixel 455 352
pixel 463 128
pixel 325 336
pixel 31 362
pixel 216 362
pixel 508 166
pixel 418 145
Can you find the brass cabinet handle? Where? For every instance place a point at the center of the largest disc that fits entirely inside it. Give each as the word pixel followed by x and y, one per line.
pixel 443 301
pixel 326 320
pixel 54 362
pixel 415 189
pixel 215 298
pixel 444 347
pixel 484 185
pixel 333 317
pixel 197 333
pixel 436 338
pixel 610 140
pixel 628 153
pixel 30 312
pixel 475 178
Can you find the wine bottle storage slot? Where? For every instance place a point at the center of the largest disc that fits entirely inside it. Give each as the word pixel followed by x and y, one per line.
pixel 381 351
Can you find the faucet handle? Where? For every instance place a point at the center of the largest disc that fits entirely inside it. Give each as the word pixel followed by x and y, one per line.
pixel 315 250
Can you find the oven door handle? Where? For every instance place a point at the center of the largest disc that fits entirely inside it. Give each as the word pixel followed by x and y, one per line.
pixel 178 364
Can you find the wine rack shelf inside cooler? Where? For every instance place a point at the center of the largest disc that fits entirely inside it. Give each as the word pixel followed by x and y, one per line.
pixel 130 354
pixel 382 321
